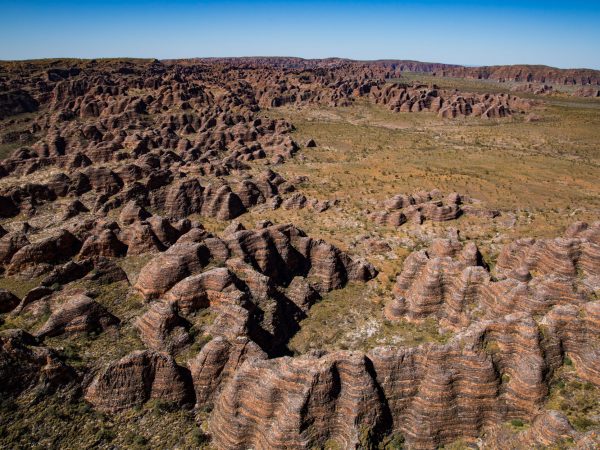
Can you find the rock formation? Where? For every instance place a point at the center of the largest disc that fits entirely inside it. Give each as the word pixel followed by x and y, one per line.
pixel 422 206
pixel 78 314
pixel 447 281
pixel 447 104
pixel 162 329
pixel 23 363
pixel 120 177
pixel 217 362
pixel 433 394
pixel 137 378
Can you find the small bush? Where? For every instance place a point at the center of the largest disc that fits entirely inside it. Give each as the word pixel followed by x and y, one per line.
pixel 140 440
pixel 517 423
pixel 161 406
pixel 200 437
pixel 582 423
pixel 106 435
pixel 394 441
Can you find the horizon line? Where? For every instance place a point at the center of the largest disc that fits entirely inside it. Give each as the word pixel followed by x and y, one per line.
pixel 50 58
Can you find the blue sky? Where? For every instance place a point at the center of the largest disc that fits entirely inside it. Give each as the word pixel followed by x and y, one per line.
pixel 562 34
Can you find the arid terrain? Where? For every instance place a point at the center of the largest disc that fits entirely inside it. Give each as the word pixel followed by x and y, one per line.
pixel 278 253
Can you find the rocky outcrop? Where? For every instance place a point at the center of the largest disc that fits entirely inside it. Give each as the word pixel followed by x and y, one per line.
pixel 447 104
pixel 449 282
pixel 422 206
pixel 31 297
pixel 74 209
pixel 118 161
pixel 162 329
pixel 165 270
pixel 137 378
pixel 587 91
pixel 16 102
pixel 217 362
pixel 565 257
pixel 24 364
pixel 443 282
pixel 40 255
pixel 273 275
pixel 299 201
pixel 433 394
pixel 394 69
pixel 132 212
pixel 547 428
pixel 8 301
pixel 533 88
pixel 282 252
pixel 71 271
pixel 140 238
pixel 106 243
pixel 576 328
pixel 80 314
pixel 214 288
pixel 10 243
pixel 317 399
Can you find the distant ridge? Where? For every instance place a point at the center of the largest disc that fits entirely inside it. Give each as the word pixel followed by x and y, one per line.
pixel 519 72
pixel 391 67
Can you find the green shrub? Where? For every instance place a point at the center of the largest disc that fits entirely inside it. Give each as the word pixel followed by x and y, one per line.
pixel 162 406
pixel 106 435
pixel 141 441
pixel 517 423
pixel 394 441
pixel 582 423
pixel 200 437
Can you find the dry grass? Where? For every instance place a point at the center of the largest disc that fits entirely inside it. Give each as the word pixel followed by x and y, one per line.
pixel 352 318
pixel 366 152
pixel 542 176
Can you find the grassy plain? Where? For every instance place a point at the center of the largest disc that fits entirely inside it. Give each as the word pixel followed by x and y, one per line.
pixel 540 175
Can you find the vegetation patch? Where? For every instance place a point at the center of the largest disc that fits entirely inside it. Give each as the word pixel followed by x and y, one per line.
pixel 579 400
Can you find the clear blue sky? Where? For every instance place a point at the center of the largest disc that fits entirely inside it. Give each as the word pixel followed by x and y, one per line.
pixel 559 33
